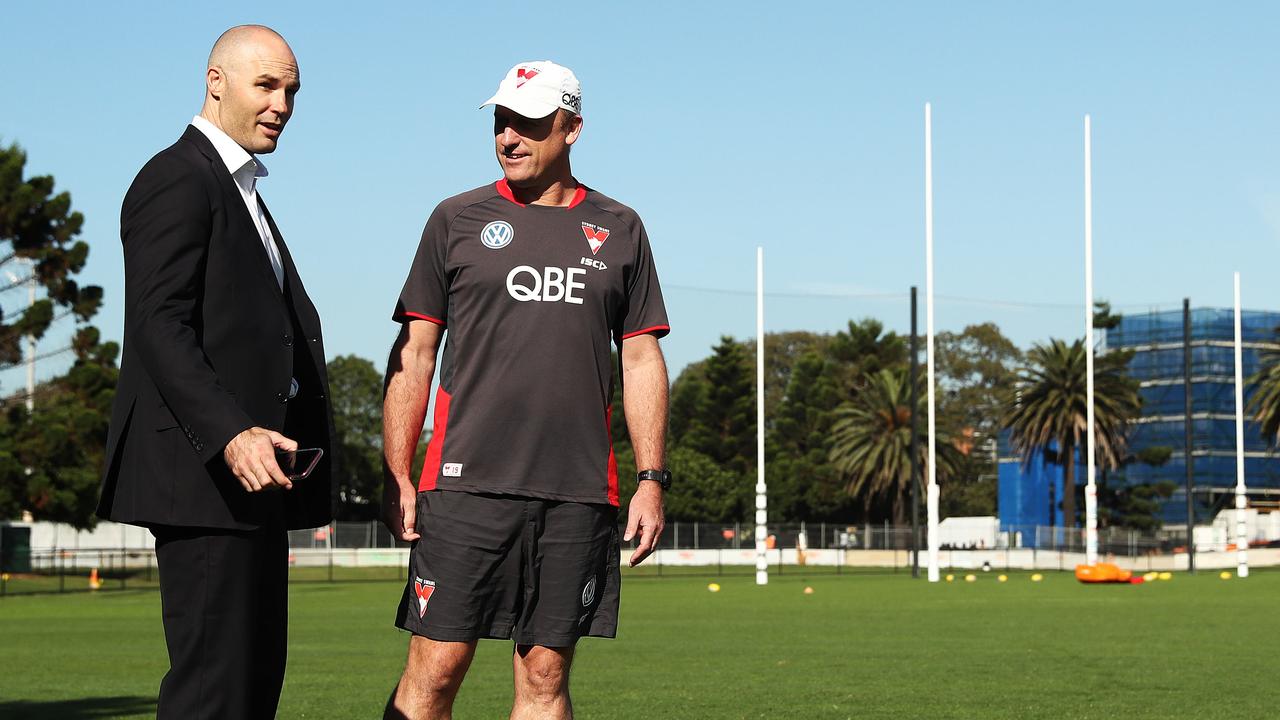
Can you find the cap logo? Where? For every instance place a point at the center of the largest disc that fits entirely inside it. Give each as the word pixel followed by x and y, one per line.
pixel 524 75
pixel 497 234
pixel 596 236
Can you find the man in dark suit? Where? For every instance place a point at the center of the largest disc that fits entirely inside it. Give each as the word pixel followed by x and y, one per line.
pixel 223 365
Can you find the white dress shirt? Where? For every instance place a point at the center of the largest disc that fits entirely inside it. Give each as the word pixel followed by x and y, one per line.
pixel 245 170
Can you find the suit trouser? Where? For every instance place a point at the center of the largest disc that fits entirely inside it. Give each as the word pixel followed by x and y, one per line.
pixel 225 600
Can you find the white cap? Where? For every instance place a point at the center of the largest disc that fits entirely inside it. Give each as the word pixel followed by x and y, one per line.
pixel 537 89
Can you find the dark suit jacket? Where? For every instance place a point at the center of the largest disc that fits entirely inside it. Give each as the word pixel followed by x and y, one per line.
pixel 210 346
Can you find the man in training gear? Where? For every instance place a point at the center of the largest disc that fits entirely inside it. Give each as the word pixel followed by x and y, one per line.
pixel 514 519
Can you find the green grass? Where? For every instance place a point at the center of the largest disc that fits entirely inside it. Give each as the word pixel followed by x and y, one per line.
pixel 863 646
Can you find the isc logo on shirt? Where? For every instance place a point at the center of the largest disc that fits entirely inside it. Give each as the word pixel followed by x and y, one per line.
pixel 552 284
pixel 451 470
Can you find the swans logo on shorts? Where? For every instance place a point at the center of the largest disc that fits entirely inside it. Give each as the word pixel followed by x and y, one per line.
pixel 423 589
pixel 497 234
pixel 589 592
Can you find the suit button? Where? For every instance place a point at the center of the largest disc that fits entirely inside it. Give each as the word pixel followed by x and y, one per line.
pixel 288 340
pixel 281 397
pixel 315 339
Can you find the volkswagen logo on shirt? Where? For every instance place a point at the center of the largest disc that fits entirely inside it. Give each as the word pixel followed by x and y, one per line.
pixel 497 234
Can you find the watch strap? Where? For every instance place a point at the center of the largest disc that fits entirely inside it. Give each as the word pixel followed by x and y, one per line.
pixel 662 477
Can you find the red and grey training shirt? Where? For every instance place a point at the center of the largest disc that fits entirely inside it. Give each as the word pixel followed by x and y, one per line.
pixel 533 297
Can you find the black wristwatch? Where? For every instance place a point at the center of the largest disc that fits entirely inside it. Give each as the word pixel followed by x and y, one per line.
pixel 662 477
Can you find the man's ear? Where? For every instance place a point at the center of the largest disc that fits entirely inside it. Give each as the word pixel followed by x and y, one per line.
pixel 215 81
pixel 574 128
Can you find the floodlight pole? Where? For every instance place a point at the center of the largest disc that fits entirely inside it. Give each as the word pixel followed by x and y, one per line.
pixel 1242 535
pixel 1090 488
pixel 915 441
pixel 1186 432
pixel 762 500
pixel 931 497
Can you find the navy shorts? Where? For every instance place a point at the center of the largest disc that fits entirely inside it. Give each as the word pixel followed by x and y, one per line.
pixel 539 572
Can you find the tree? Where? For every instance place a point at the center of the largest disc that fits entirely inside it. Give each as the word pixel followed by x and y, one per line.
pixel 783 351
pixel 717 495
pixel 355 389
pixel 39 228
pixel 863 349
pixel 1264 403
pixel 713 407
pixel 1047 410
pixel 803 484
pixel 1136 506
pixel 977 369
pixel 50 458
pixel 871 442
pixel 1103 318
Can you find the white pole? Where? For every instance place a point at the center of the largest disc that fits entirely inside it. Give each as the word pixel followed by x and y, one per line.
pixel 932 492
pixel 1242 535
pixel 762 498
pixel 1090 488
pixel 31 347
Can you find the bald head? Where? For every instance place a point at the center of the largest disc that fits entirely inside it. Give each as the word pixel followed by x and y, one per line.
pixel 233 45
pixel 250 83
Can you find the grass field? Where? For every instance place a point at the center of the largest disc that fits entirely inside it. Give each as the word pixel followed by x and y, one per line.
pixel 861 646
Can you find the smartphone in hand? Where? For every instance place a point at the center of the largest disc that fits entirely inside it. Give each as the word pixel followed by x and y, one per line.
pixel 298 464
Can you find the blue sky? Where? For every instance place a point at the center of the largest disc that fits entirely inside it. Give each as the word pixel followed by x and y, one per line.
pixel 726 125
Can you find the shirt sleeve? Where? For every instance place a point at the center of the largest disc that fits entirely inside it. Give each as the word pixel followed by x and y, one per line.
pixel 646 313
pixel 425 295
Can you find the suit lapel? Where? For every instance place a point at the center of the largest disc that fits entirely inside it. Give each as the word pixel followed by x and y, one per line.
pixel 294 292
pixel 236 209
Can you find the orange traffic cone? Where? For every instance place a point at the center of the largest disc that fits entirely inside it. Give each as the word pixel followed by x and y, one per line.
pixel 94 582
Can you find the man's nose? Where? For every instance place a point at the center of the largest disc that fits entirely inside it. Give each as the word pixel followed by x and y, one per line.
pixel 508 137
pixel 280 104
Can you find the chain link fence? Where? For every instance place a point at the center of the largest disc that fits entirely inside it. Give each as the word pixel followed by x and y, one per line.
pixel 366 551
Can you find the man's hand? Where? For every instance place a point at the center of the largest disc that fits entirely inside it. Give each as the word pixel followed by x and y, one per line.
pixel 251 456
pixel 400 509
pixel 644 515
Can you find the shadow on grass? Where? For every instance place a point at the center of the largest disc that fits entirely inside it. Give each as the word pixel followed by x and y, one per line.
pixel 78 709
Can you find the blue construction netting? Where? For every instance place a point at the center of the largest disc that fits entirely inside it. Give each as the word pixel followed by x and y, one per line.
pixel 1156 340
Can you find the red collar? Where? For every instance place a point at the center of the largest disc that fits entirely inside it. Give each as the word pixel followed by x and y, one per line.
pixel 505 191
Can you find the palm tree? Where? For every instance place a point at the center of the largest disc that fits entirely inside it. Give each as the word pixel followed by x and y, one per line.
pixel 1265 403
pixel 1048 409
pixel 871 441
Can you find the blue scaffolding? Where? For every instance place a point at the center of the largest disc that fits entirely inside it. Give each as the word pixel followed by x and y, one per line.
pixel 1156 340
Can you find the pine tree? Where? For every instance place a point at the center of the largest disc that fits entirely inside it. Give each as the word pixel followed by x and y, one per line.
pixel 51 458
